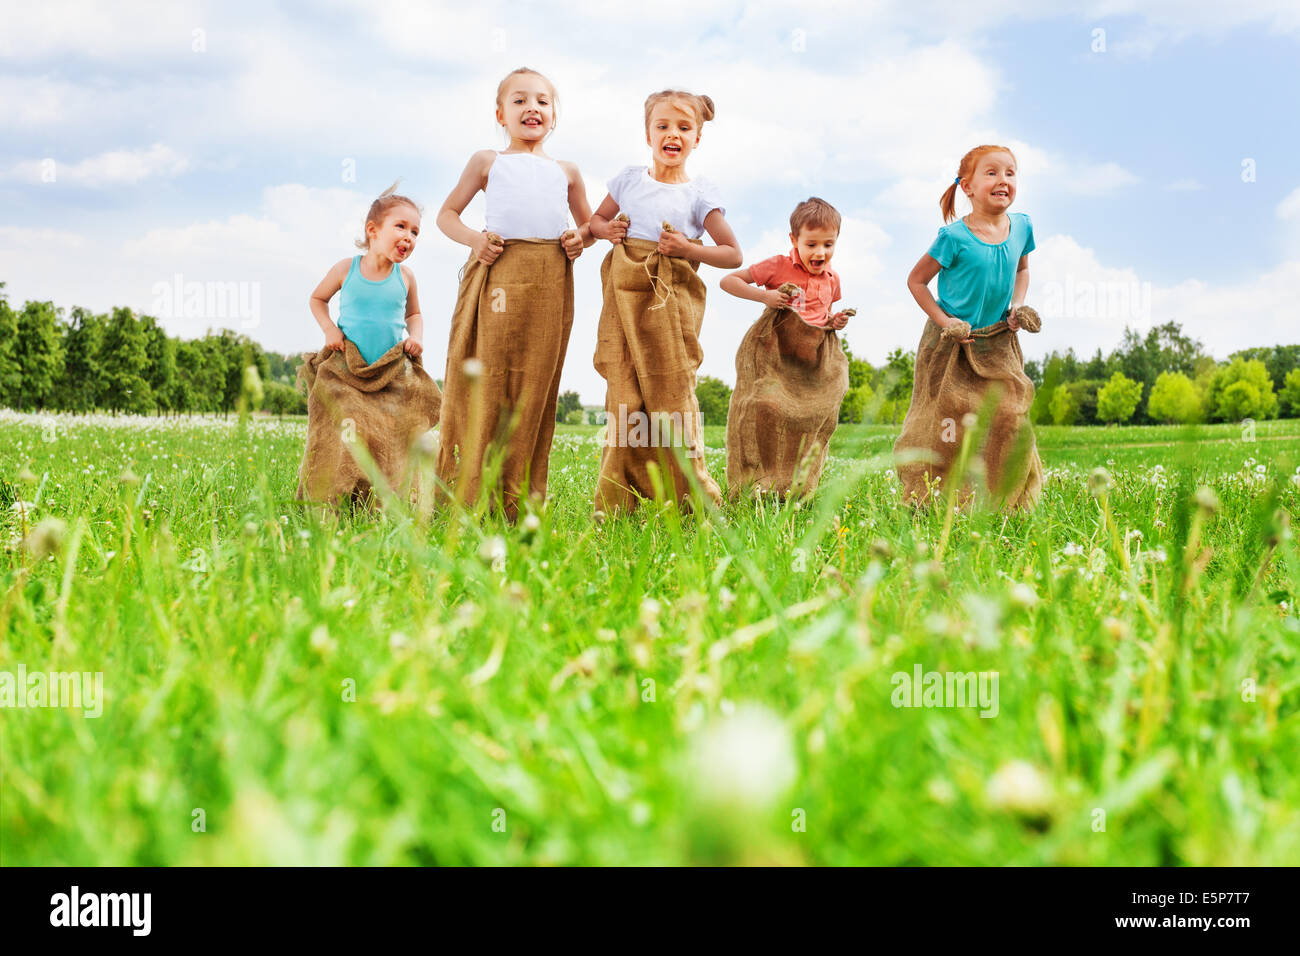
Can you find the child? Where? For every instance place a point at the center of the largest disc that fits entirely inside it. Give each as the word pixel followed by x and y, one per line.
pixel 647 344
pixel 361 387
pixel 510 329
pixel 791 373
pixel 969 350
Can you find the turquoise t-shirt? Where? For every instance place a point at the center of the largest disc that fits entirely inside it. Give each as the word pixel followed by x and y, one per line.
pixel 372 315
pixel 978 277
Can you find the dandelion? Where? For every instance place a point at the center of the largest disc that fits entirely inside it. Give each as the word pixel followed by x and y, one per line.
pixel 1206 500
pixel 1019 787
pixel 726 598
pixel 473 368
pixel 744 761
pixel 1099 482
pixel 493 552
pixel 46 538
pixel 1023 595
pixel 1072 550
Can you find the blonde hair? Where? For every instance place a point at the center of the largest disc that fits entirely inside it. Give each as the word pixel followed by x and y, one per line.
pixel 814 212
pixel 701 106
pixel 948 201
pixel 388 199
pixel 555 97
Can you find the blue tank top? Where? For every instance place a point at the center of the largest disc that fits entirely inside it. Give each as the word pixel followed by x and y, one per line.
pixel 372 315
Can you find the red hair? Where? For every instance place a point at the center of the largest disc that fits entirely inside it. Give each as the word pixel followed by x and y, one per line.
pixel 948 201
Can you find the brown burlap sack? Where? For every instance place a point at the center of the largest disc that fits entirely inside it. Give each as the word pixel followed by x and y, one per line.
pixel 514 318
pixel 648 351
pixel 790 380
pixel 953 380
pixel 385 407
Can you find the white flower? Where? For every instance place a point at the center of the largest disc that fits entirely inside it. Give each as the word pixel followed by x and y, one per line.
pixel 1072 550
pixel 743 761
pixel 1022 595
pixel 1019 787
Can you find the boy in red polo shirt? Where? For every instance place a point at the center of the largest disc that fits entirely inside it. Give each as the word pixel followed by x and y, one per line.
pixel 791 373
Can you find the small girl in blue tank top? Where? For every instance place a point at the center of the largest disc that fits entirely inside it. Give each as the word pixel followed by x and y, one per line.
pixel 379 307
pixel 969 350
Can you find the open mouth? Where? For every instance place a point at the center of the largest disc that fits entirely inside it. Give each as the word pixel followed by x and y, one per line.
pixel 533 122
pixel 672 150
pixel 1002 193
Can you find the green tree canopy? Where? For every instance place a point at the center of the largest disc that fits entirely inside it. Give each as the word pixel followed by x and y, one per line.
pixel 1118 399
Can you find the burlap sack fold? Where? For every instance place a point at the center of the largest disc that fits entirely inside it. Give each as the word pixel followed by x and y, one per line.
pixel 514 318
pixel 648 351
pixel 384 406
pixel 953 379
pixel 791 378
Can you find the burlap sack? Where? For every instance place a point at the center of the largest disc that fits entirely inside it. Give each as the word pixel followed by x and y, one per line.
pixel 385 406
pixel 514 318
pixel 790 380
pixel 953 380
pixel 648 351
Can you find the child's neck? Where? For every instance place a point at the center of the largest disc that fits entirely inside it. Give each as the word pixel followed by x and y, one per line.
pixel 376 264
pixel 986 217
pixel 520 146
pixel 669 174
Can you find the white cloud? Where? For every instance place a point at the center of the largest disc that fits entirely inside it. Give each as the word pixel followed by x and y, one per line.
pixel 114 168
pixel 1289 208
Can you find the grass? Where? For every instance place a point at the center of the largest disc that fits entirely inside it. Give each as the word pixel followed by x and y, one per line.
pixel 283 688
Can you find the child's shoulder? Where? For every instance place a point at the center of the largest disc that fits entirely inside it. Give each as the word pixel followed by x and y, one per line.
pixel 1023 217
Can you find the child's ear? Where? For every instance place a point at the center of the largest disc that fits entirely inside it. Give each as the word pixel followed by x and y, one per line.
pixel 794 240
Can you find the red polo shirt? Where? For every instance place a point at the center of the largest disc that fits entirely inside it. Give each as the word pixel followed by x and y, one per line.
pixel 820 292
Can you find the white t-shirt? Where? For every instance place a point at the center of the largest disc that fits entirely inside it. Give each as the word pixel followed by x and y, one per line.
pixel 527 197
pixel 648 203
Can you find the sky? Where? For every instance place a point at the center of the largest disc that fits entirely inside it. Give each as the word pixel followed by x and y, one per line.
pixel 146 147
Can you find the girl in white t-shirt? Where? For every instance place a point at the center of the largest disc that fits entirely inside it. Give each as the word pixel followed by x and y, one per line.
pixel 647 345
pixel 514 310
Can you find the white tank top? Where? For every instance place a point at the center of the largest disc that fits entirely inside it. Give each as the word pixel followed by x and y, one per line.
pixel 527 197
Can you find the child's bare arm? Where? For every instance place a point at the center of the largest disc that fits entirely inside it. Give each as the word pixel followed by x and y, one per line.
pixel 724 254
pixel 604 225
pixel 473 179
pixel 1018 292
pixel 414 344
pixel 579 207
pixel 319 303
pixel 741 285
pixel 918 283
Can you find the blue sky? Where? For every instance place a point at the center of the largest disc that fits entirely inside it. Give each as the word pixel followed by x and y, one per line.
pixel 219 155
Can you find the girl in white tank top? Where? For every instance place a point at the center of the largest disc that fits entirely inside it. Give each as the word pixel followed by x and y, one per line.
pixel 514 309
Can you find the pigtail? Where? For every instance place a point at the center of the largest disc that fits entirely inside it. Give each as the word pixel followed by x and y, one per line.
pixel 948 204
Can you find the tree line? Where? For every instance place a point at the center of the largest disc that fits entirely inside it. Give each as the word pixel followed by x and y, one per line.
pixel 123 362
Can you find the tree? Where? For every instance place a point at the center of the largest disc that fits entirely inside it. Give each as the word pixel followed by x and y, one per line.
pixel 82 383
pixel 10 373
pixel 568 402
pixel 38 347
pixel 1256 400
pixel 124 357
pixel 1118 399
pixel 1173 399
pixel 897 378
pixel 1040 412
pixel 1290 395
pixel 283 399
pixel 714 396
pixel 161 351
pixel 1278 359
pixel 860 393
pixel 1064 406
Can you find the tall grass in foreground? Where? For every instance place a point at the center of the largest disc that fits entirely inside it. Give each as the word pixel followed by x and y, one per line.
pixel 284 686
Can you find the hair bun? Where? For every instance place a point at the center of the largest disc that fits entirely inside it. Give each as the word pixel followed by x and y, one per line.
pixel 707 103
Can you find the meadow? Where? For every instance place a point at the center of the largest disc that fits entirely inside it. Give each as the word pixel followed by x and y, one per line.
pixel 283 686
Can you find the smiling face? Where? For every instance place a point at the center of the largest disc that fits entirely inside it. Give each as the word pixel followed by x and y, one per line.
pixel 395 238
pixel 815 245
pixel 992 186
pixel 527 108
pixel 672 132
